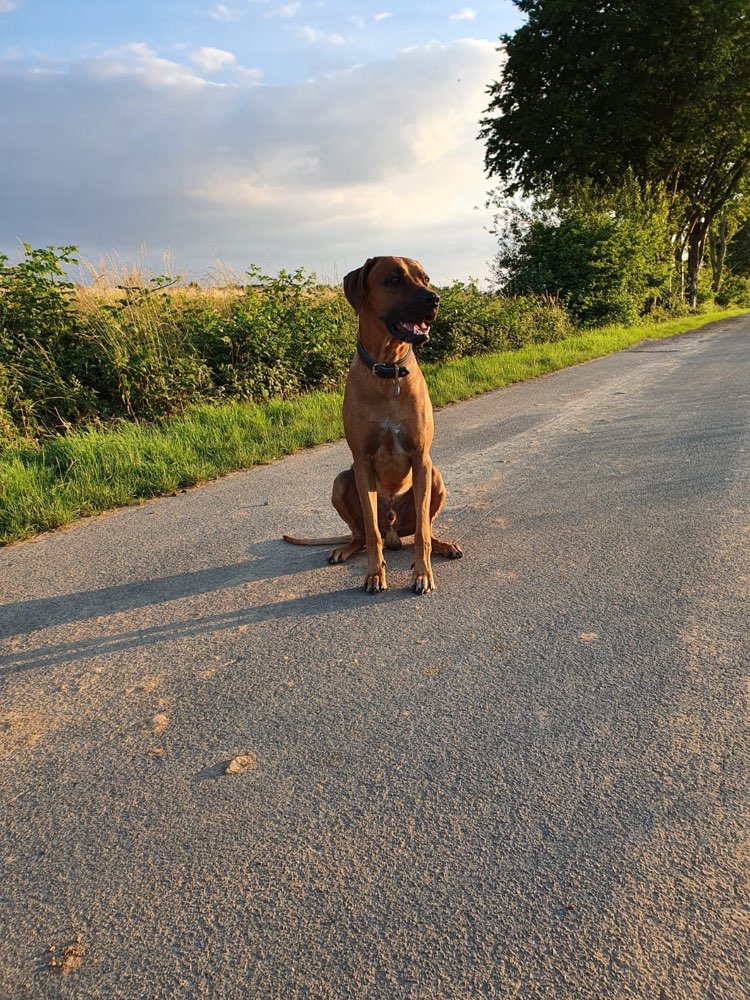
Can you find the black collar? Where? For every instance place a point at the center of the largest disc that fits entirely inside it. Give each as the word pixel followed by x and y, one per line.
pixel 392 370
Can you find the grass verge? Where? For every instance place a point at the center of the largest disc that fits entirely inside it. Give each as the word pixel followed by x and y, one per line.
pixel 93 471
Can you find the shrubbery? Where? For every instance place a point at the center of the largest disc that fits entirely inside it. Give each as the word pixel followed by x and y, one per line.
pixel 43 359
pixel 72 356
pixel 735 290
pixel 470 322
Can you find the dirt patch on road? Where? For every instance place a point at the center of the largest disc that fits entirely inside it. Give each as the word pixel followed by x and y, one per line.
pixel 68 958
pixel 21 730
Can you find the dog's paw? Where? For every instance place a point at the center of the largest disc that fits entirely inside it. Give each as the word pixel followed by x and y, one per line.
pixel 423 583
pixel 375 582
pixel 448 550
pixel 345 551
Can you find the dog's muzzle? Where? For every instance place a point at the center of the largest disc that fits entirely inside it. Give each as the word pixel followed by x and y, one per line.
pixel 410 333
pixel 413 325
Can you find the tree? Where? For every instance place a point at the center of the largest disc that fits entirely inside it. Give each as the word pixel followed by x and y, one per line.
pixel 591 91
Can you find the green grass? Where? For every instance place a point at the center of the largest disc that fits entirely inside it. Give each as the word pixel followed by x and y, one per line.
pixel 93 471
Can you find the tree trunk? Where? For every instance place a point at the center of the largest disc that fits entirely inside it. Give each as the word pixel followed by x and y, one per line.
pixel 679 266
pixel 696 244
pixel 717 249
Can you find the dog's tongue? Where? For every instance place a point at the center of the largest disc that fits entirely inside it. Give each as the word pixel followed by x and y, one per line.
pixel 423 328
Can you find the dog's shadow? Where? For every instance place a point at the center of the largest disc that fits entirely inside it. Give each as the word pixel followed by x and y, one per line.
pixel 267 560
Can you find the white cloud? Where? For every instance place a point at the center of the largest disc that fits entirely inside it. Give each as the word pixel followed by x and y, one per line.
pixel 223 13
pixel 382 15
pixel 465 14
pixel 248 75
pixel 321 174
pixel 287 10
pixel 316 35
pixel 6 6
pixel 142 62
pixel 209 60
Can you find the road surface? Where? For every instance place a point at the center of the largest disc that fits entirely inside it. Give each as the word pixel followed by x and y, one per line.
pixel 531 783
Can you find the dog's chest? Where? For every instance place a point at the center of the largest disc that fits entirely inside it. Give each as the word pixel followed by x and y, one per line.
pixel 394 437
pixel 391 457
pixel 392 430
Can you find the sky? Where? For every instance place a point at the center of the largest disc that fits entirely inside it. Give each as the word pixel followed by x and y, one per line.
pixel 195 136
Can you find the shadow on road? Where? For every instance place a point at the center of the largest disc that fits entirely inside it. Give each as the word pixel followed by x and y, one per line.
pixel 26 617
pixel 267 561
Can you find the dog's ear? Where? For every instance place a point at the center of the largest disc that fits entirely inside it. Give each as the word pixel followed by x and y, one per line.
pixel 355 283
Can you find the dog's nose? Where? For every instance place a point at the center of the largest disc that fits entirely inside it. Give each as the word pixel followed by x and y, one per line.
pixel 432 299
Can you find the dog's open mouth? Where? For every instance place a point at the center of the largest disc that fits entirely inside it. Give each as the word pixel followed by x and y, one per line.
pixel 411 333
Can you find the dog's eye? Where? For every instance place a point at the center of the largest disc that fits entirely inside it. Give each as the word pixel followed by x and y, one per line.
pixel 425 279
pixel 394 280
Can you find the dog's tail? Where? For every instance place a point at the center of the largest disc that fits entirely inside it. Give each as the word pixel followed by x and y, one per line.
pixel 330 540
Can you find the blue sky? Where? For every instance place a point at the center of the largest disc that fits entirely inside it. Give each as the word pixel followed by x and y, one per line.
pixel 304 133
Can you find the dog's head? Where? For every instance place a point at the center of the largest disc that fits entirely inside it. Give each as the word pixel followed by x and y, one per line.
pixel 396 291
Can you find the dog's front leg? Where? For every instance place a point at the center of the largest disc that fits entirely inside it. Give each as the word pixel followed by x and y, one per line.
pixel 422 579
pixel 364 474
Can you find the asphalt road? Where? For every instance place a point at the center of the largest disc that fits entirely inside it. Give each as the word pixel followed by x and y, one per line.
pixel 531 783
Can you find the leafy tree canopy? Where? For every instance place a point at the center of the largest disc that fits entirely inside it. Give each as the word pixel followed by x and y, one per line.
pixel 591 91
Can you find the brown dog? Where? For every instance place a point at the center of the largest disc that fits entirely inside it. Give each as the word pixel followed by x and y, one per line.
pixel 392 488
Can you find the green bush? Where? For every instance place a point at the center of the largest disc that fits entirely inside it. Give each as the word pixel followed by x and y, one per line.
pixel 734 291
pixel 41 356
pixel 607 258
pixel 604 268
pixel 284 335
pixel 472 322
pixel 462 323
